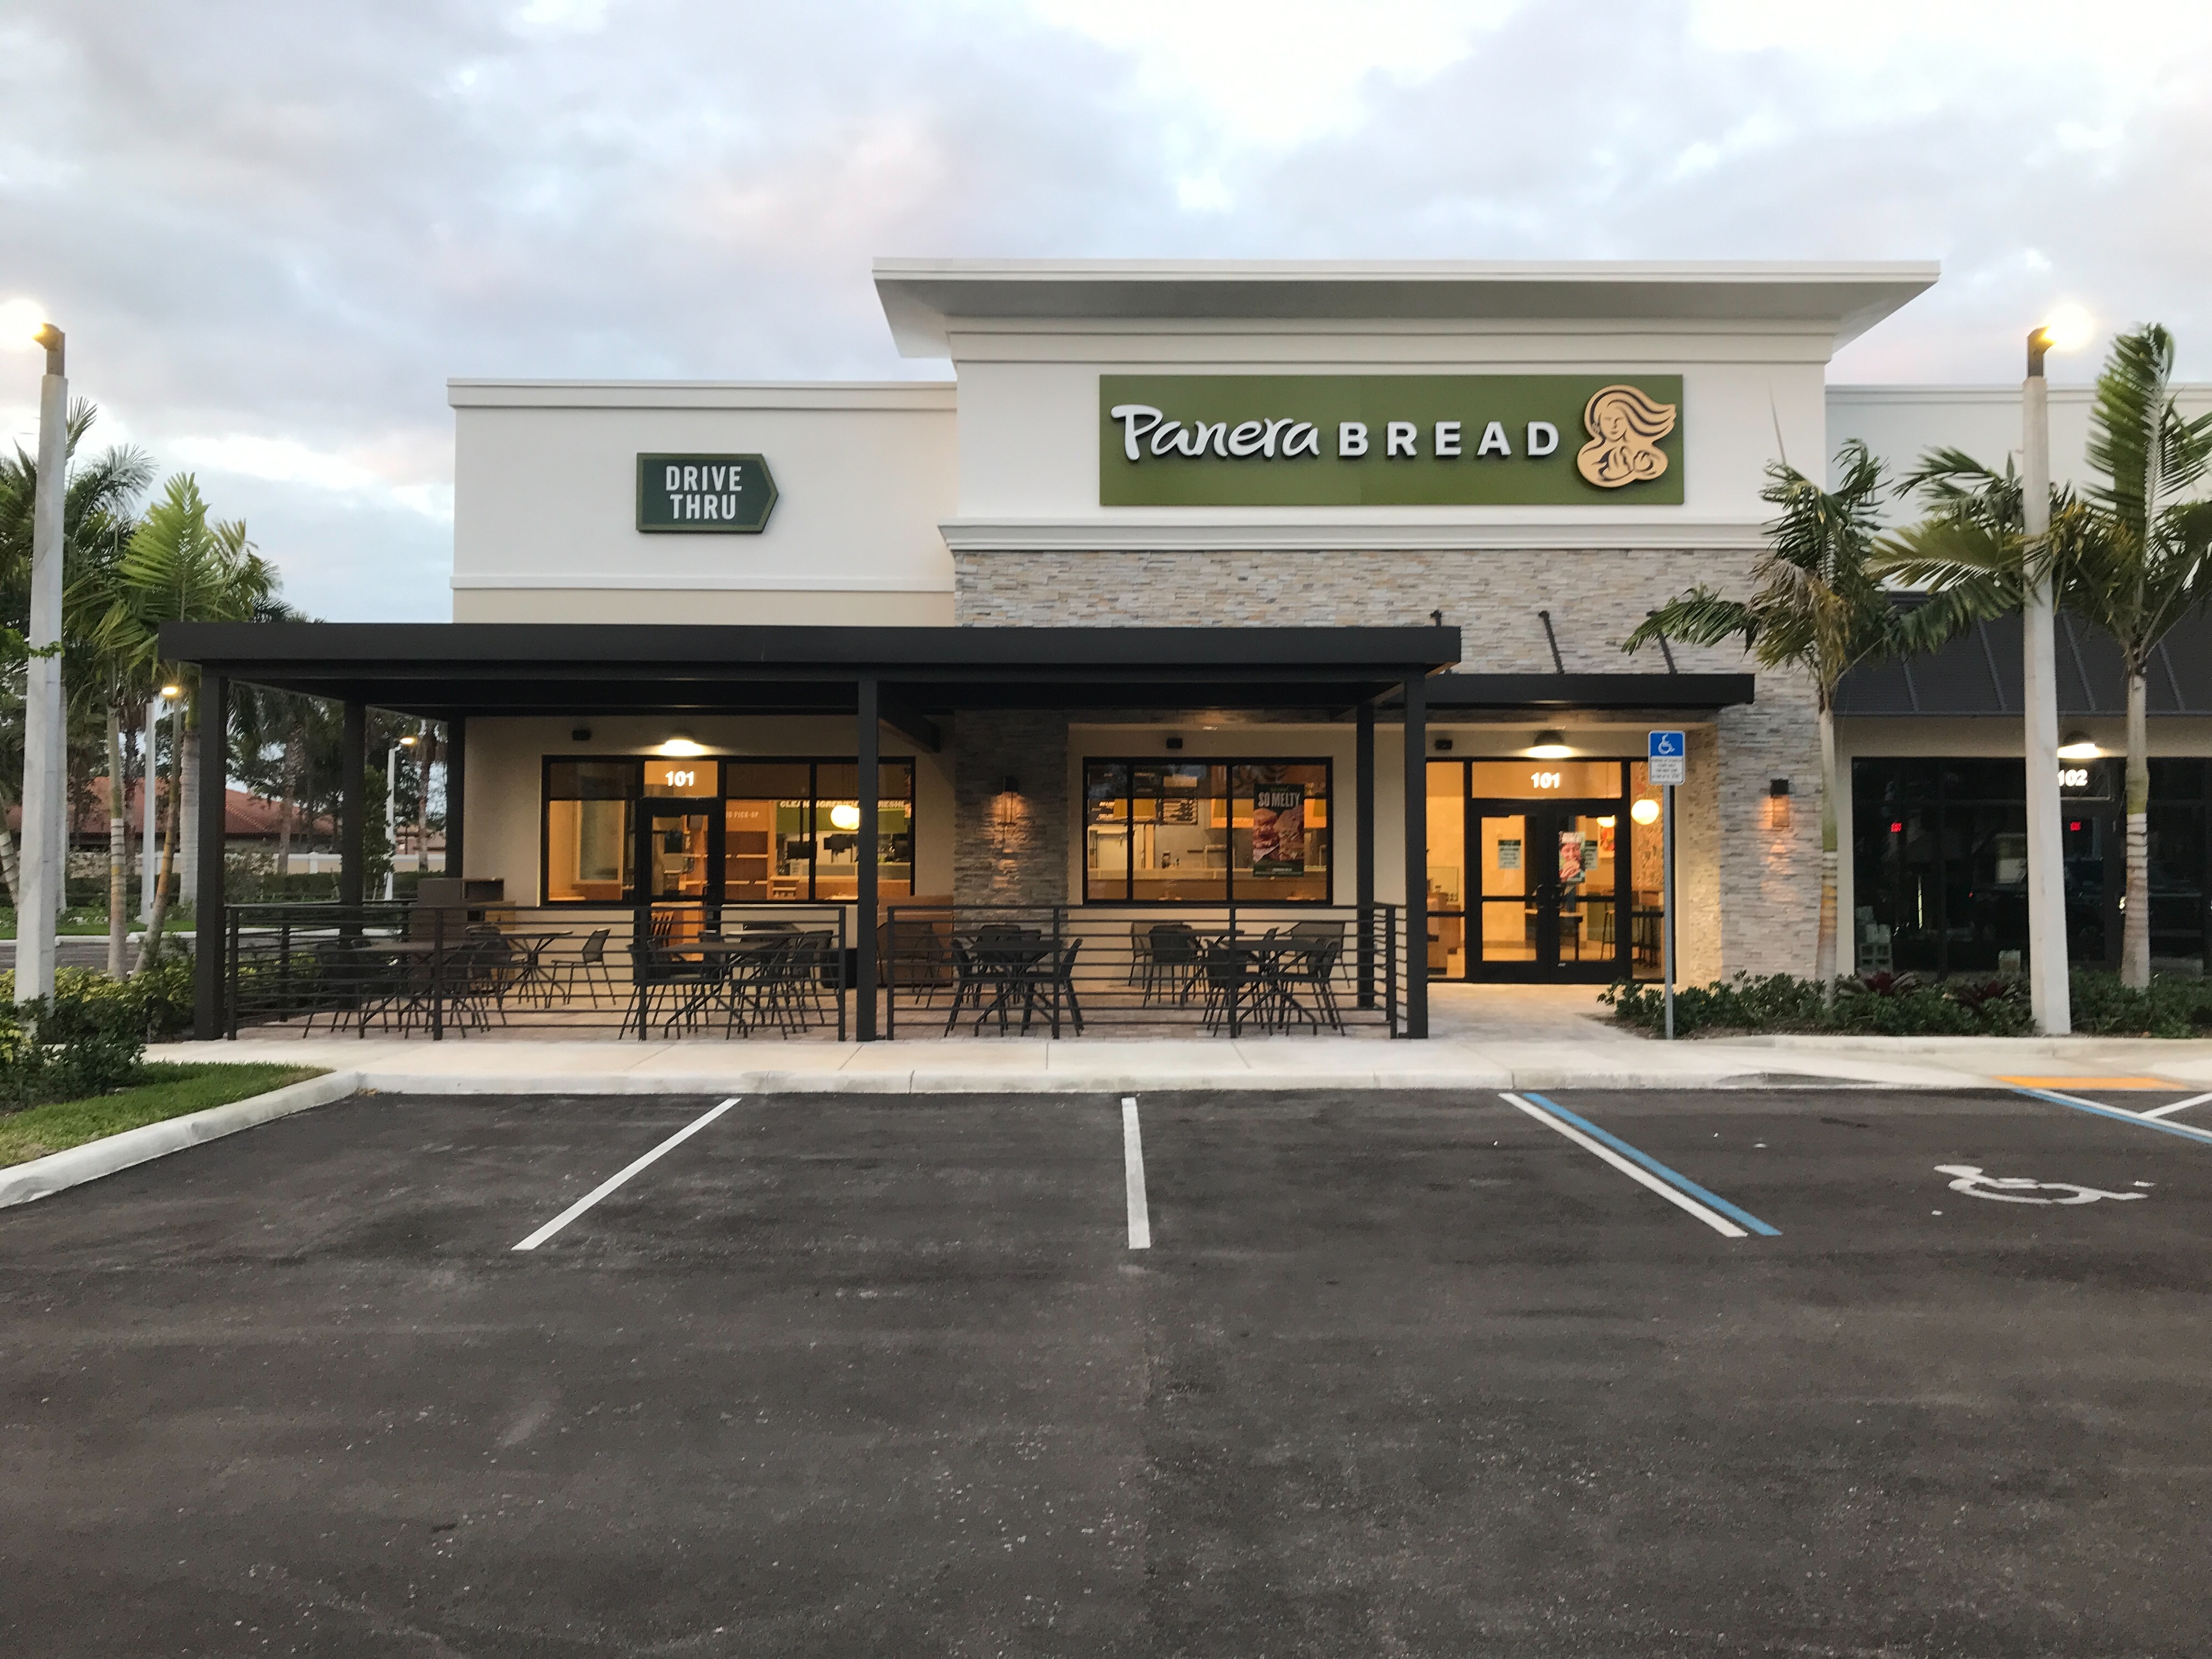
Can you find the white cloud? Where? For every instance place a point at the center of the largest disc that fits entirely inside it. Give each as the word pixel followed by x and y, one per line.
pixel 1277 71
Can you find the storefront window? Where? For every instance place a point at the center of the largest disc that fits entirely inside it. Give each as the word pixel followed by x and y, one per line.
pixel 767 845
pixel 590 830
pixel 753 832
pixel 1208 832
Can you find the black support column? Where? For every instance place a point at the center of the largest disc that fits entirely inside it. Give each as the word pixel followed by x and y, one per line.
pixel 1363 771
pixel 1417 857
pixel 353 758
pixel 210 931
pixel 457 794
pixel 867 716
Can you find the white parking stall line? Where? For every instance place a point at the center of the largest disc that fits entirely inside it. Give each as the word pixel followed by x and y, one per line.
pixel 2178 1106
pixel 616 1179
pixel 1719 1223
pixel 1132 1165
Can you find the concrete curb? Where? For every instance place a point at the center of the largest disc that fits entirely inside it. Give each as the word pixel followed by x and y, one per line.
pixel 58 1172
pixel 1042 1082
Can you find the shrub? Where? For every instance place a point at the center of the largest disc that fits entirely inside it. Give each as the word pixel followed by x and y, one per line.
pixel 1907 1004
pixel 79 1043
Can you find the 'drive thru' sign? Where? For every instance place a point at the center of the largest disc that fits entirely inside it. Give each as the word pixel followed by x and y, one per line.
pixel 703 494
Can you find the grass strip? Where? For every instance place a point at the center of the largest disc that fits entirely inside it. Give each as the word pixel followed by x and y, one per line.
pixel 169 1090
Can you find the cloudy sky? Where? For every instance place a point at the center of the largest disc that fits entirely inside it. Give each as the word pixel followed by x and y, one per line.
pixel 273 229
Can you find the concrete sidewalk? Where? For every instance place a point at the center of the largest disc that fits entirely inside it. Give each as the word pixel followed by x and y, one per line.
pixel 1485 1036
pixel 1584 1055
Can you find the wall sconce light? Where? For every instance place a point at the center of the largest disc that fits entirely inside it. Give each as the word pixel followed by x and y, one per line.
pixel 1006 814
pixel 1645 812
pixel 1549 745
pixel 580 734
pixel 2079 745
pixel 1443 745
pixel 1175 742
pixel 844 815
pixel 1778 803
pixel 680 744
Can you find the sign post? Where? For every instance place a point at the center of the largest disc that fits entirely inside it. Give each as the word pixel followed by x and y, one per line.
pixel 1667 755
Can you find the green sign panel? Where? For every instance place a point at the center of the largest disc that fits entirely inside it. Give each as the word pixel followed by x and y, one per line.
pixel 703 494
pixel 1389 439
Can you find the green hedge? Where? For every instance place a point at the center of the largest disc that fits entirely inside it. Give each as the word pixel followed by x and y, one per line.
pixel 90 1037
pixel 1905 1005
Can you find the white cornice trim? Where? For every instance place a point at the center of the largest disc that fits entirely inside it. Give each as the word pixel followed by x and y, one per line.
pixel 683 582
pixel 1323 534
pixel 903 396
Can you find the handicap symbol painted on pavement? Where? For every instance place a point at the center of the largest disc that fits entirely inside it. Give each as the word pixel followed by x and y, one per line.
pixel 2019 1189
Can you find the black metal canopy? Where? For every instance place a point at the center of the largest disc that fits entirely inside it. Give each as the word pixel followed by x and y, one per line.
pixel 440 670
pixel 1459 694
pixel 1979 672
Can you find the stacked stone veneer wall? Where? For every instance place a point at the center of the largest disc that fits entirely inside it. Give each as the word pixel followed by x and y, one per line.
pixel 1749 892
pixel 1025 860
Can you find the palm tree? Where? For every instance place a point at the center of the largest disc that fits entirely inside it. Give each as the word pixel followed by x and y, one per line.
pixel 2131 553
pixel 180 566
pixel 96 502
pixel 1818 608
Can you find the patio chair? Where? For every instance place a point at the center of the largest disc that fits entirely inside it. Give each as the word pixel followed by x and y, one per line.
pixel 654 971
pixel 587 968
pixel 1172 961
pixel 1312 966
pixel 1231 975
pixel 1062 981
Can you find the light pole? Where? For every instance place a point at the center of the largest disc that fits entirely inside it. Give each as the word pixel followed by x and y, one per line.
pixel 392 811
pixel 2049 993
pixel 148 781
pixel 43 860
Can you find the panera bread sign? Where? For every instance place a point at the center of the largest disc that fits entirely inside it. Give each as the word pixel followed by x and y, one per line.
pixel 1389 439
pixel 703 494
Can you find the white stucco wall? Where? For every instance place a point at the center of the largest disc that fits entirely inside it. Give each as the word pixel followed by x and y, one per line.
pixel 544 502
pixel 1901 423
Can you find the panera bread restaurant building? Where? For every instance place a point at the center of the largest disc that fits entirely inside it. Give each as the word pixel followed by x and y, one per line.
pixel 1201 585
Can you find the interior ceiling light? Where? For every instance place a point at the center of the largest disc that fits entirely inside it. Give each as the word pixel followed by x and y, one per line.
pixel 2079 745
pixel 844 815
pixel 682 746
pixel 1645 812
pixel 1549 745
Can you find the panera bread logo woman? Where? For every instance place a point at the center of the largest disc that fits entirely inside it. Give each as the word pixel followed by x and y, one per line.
pixel 1625 427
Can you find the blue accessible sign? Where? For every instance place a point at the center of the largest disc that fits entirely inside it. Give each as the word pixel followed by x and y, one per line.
pixel 1667 753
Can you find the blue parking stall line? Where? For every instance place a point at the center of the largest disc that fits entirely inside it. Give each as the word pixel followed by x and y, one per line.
pixel 2135 1118
pixel 1673 1178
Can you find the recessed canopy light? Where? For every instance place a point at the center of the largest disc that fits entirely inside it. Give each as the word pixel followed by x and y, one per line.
pixel 1549 745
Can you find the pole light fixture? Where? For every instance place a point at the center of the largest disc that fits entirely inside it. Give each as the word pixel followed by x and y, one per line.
pixel 43 861
pixel 2050 995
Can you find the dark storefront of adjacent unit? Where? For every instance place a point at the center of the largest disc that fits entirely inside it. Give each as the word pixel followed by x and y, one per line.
pixel 1940 844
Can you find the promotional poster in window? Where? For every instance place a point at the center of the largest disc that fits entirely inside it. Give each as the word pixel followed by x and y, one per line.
pixel 1278 829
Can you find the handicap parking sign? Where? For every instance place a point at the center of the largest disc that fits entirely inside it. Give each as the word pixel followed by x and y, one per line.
pixel 1667 753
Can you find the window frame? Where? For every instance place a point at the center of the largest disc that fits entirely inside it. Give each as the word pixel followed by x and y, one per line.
pixel 1130 764
pixel 640 802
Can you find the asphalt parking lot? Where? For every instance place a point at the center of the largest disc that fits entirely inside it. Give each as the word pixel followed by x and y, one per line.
pixel 1798 1372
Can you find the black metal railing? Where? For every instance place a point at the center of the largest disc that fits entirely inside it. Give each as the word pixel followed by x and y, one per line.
pixel 1060 970
pixel 437 971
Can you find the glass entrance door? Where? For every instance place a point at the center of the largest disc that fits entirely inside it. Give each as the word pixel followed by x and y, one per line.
pixel 1544 901
pixel 681 854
